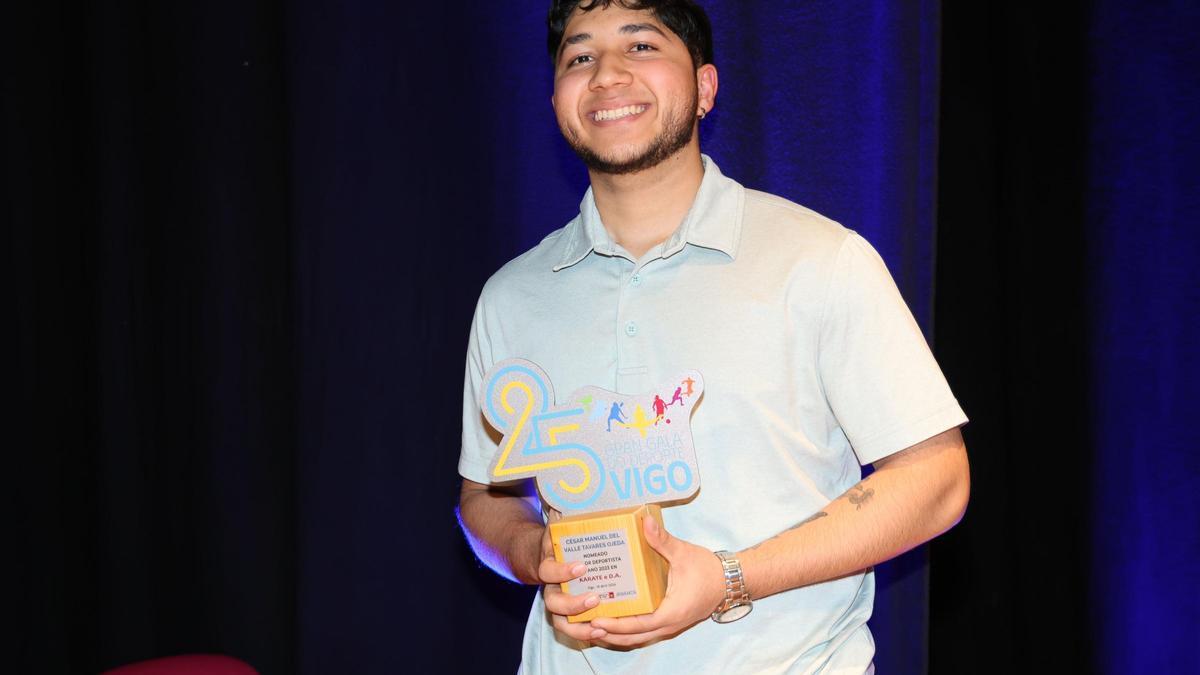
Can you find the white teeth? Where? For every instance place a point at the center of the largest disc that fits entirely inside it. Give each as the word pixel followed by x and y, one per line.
pixel 618 113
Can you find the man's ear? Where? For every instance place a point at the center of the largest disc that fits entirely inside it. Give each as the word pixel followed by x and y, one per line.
pixel 706 87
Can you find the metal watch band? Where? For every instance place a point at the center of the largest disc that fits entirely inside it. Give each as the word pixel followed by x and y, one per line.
pixel 735 585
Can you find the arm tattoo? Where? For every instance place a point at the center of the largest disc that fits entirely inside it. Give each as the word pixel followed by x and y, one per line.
pixel 859 495
pixel 816 516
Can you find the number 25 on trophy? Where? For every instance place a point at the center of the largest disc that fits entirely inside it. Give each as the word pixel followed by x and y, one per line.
pixel 604 460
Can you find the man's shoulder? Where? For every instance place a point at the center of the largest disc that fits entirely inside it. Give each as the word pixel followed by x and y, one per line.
pixel 782 225
pixel 531 267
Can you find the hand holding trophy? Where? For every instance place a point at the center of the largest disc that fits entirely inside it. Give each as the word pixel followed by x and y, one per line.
pixel 604 460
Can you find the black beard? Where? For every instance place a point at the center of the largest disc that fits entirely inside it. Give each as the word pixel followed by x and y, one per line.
pixel 675 136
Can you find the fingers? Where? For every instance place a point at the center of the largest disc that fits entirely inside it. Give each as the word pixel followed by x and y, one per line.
pixel 550 571
pixel 638 639
pixel 584 632
pixel 636 631
pixel 630 625
pixel 658 537
pixel 561 605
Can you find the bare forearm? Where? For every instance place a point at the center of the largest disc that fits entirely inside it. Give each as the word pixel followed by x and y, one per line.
pixel 504 529
pixel 906 502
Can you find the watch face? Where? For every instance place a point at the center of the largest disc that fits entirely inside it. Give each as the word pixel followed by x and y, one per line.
pixel 733 613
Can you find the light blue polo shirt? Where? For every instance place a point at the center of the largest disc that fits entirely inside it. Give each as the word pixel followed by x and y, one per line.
pixel 812 366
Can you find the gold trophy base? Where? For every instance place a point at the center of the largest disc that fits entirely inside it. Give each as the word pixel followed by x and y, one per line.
pixel 629 576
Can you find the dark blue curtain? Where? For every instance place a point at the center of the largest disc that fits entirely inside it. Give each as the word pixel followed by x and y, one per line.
pixel 1143 198
pixel 1066 300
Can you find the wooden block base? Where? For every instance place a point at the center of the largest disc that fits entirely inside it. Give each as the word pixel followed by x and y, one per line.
pixel 629 576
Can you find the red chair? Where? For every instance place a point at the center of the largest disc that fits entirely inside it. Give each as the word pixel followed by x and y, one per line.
pixel 191 664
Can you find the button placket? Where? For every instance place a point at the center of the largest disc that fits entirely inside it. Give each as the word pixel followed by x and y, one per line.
pixel 635 280
pixel 629 345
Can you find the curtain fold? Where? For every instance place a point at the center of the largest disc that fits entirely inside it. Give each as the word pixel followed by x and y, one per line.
pixel 1067 303
pixel 1143 196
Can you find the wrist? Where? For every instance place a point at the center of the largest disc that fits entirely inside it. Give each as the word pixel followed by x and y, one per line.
pixel 749 568
pixel 525 552
pixel 735 602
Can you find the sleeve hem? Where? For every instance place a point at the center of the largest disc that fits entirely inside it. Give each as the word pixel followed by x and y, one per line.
pixel 877 446
pixel 472 471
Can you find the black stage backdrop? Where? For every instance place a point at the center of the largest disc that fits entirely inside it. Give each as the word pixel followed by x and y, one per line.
pixel 1008 587
pixel 1068 305
pixel 244 241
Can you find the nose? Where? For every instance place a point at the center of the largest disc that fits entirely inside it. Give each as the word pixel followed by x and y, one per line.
pixel 610 72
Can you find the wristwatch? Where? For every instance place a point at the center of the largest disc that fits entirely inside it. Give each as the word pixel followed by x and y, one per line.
pixel 737 601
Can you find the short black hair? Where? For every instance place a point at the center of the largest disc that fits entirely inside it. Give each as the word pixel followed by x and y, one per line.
pixel 684 17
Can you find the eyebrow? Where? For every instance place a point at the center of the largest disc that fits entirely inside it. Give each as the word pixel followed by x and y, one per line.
pixel 639 27
pixel 627 29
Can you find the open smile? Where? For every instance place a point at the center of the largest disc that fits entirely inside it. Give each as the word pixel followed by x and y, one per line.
pixel 621 113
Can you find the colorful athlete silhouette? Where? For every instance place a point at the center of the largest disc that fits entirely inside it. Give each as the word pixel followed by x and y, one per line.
pixel 677 397
pixel 689 382
pixel 660 408
pixel 640 421
pixel 598 411
pixel 615 414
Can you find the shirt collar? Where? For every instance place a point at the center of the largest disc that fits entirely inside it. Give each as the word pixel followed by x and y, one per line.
pixel 714 221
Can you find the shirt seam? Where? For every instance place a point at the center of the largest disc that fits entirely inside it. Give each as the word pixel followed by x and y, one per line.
pixel 948 406
pixel 825 302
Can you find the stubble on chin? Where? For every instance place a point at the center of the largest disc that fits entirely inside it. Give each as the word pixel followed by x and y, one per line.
pixel 677 133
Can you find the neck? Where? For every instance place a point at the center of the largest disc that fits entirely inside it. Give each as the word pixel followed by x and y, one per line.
pixel 641 210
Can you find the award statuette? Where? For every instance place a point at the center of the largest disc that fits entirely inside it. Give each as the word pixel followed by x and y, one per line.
pixel 604 461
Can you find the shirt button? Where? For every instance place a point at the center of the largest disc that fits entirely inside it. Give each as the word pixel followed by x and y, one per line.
pixel 635 280
pixel 631 329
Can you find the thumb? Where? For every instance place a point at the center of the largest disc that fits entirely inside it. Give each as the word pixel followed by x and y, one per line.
pixel 658 537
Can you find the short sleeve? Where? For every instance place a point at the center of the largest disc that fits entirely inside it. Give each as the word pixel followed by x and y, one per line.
pixel 879 376
pixel 478 446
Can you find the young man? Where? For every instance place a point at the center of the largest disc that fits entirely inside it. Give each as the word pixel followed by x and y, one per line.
pixel 812 366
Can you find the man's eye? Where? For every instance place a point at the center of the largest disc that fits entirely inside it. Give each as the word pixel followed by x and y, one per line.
pixel 642 47
pixel 582 58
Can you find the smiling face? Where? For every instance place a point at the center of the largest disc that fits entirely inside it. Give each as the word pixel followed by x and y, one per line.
pixel 626 94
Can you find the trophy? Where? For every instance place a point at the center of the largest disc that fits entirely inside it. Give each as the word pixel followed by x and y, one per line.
pixel 603 461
